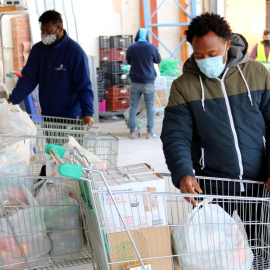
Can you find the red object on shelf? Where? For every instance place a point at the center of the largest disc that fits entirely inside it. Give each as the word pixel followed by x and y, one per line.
pixel 112 54
pixel 117 104
pixel 113 92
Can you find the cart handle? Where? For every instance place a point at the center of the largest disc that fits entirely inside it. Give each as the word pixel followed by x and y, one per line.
pixel 71 170
pixel 60 150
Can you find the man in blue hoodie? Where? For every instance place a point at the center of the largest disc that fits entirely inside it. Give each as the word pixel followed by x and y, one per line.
pixel 142 55
pixel 60 67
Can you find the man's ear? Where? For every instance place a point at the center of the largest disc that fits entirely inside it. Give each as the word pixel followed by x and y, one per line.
pixel 229 42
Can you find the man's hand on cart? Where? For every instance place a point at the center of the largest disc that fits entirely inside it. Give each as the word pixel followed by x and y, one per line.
pixel 189 184
pixel 88 120
pixel 267 184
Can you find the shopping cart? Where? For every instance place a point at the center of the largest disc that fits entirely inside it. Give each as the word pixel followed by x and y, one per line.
pixel 141 115
pixel 145 244
pixel 45 231
pixel 52 122
pixel 102 144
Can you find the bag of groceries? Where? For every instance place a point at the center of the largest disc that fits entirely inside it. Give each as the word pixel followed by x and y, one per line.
pixel 209 238
pixel 27 222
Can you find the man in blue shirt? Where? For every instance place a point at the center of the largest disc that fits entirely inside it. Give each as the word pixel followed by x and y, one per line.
pixel 142 55
pixel 60 67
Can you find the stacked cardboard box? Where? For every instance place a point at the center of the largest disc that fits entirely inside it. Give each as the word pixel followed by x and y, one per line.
pixel 144 213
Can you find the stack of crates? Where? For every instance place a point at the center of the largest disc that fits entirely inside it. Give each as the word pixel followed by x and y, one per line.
pixel 101 87
pixel 112 56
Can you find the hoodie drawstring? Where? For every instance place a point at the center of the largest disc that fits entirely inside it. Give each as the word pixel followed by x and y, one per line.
pixel 249 95
pixel 202 100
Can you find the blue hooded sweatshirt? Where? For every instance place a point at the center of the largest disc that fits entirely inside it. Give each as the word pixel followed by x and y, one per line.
pixel 63 75
pixel 141 55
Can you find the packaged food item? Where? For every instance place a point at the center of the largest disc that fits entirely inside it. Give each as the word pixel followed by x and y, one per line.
pixel 137 266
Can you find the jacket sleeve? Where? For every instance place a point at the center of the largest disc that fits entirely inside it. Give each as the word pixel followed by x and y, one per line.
pixel 29 80
pixel 176 136
pixel 82 83
pixel 128 56
pixel 157 56
pixel 253 53
pixel 265 109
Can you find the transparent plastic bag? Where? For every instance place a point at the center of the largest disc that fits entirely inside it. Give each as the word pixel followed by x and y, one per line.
pixel 209 238
pixel 30 230
pixel 15 121
pixel 62 217
pixel 95 161
pixel 14 161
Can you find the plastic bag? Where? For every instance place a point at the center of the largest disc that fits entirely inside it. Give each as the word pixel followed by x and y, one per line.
pixel 209 238
pixel 168 67
pixel 30 229
pixel 14 161
pixel 62 217
pixel 95 162
pixel 15 121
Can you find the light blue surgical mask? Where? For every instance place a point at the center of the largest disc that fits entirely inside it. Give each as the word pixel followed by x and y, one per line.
pixel 212 67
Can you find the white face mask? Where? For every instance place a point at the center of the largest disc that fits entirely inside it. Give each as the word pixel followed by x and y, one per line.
pixel 49 39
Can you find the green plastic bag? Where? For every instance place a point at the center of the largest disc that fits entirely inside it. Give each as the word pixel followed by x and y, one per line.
pixel 168 67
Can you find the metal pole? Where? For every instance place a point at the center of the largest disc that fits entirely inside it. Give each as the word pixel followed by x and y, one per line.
pixel 93 76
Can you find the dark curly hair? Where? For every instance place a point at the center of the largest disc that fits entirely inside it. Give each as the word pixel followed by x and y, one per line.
pixel 203 24
pixel 51 16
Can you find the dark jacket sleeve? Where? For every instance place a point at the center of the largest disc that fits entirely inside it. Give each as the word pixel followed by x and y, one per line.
pixel 82 83
pixel 128 56
pixel 253 53
pixel 265 109
pixel 157 56
pixel 28 82
pixel 176 136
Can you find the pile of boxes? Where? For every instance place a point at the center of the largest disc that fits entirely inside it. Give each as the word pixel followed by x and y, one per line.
pixel 144 213
pixel 112 55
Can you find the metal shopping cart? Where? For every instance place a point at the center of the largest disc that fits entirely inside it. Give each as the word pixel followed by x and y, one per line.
pixel 141 116
pixel 147 244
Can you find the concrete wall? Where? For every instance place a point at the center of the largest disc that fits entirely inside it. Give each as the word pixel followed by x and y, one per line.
pixel 247 17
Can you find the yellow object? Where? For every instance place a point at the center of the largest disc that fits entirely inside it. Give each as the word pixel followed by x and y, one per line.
pixel 137 266
pixel 261 54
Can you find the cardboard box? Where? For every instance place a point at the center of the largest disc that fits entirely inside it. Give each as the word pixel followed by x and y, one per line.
pixel 138 209
pixel 138 266
pixel 160 83
pixel 153 242
pixel 162 97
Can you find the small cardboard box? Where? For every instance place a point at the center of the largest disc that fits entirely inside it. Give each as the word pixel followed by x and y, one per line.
pixel 162 97
pixel 128 185
pixel 160 83
pixel 153 244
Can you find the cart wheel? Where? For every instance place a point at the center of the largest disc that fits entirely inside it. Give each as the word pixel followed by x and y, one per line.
pixel 140 132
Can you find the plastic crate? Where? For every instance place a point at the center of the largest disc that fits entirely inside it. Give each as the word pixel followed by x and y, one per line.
pixel 113 92
pixel 104 42
pixel 102 105
pixel 121 42
pixel 117 79
pixel 114 67
pixel 117 104
pixel 101 86
pixel 112 54
pixel 100 75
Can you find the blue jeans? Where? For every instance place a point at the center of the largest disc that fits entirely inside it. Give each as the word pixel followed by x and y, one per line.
pixel 136 91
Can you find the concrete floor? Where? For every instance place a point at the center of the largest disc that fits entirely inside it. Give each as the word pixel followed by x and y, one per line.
pixel 139 150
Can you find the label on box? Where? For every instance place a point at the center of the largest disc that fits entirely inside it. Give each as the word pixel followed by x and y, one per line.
pixel 138 267
pixel 137 210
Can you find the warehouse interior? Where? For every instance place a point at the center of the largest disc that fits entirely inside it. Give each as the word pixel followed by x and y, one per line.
pixel 88 220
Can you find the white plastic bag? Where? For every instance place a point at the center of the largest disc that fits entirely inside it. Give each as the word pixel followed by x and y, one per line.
pixel 14 160
pixel 31 231
pixel 209 238
pixel 62 217
pixel 15 121
pixel 95 162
